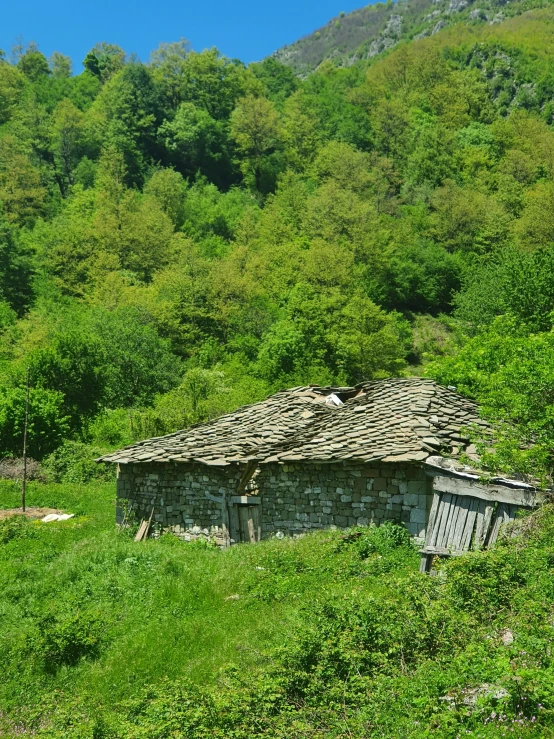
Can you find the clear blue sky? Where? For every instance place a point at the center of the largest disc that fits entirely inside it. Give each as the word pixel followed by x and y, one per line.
pixel 246 29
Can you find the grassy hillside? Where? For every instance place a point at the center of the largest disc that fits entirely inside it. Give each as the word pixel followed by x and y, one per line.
pixel 365 33
pixel 332 635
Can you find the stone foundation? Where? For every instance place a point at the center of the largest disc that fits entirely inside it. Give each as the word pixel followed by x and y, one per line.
pixel 191 499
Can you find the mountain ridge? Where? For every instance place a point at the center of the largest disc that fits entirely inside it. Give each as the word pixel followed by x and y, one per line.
pixel 365 33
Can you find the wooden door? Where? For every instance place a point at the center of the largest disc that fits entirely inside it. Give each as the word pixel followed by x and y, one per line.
pixel 245 518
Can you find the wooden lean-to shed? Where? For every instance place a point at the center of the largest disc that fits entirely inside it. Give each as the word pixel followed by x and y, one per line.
pixel 314 457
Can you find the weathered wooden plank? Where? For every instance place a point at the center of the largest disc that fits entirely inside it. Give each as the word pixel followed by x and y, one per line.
pixel 493 492
pixel 246 499
pixel 489 513
pixel 425 562
pixel 234 524
pixel 500 518
pixel 432 517
pixel 479 523
pixel 256 518
pixel 244 519
pixel 465 541
pixel 451 523
pixel 445 520
pixel 463 508
pixel 438 521
pixel 247 475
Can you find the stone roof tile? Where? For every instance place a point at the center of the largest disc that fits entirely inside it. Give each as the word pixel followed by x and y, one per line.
pixel 399 419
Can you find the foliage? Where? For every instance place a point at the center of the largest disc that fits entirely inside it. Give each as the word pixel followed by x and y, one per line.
pixel 73 461
pixel 48 423
pixel 510 371
pixel 329 631
pixel 184 235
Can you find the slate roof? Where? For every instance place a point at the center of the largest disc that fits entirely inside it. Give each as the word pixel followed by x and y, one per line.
pixel 235 436
pixel 394 420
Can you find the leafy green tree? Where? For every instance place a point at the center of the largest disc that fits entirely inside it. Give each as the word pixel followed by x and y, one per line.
pixel 196 143
pixel 278 79
pixel 21 190
pixel 169 189
pixel 68 142
pixel 125 116
pixel 136 364
pixel 33 64
pixel 104 60
pixel 16 270
pixel 514 282
pixel 132 229
pixel 70 366
pixel 60 65
pixel 256 132
pixel 48 425
pixel 207 79
pixel 12 83
pixel 511 373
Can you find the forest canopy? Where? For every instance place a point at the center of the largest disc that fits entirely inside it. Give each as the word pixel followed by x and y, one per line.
pixel 186 235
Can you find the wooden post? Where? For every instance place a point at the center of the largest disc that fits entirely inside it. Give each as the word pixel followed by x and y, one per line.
pixel 24 478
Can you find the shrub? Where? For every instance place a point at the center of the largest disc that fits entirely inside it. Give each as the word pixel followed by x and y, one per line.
pixel 383 539
pixel 74 461
pixel 16 527
pixel 11 468
pixel 64 639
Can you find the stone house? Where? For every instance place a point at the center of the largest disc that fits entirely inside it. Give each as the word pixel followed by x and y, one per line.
pixel 313 457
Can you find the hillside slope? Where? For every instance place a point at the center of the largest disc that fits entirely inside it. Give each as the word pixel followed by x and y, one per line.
pixel 366 32
pixel 334 635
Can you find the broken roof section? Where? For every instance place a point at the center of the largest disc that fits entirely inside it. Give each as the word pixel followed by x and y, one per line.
pixel 243 434
pixel 394 420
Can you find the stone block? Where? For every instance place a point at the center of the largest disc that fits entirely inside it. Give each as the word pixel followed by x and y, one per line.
pixel 417 515
pixel 417 487
pixel 346 498
pixel 362 521
pixel 370 472
pixel 411 499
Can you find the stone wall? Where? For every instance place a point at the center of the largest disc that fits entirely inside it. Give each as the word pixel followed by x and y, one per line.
pixel 302 497
pixel 182 496
pixel 296 498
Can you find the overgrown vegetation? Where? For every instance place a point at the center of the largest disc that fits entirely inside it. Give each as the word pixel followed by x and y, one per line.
pixel 185 236
pixel 334 634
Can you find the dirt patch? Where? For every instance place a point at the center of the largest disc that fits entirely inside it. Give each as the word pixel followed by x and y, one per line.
pixel 29 512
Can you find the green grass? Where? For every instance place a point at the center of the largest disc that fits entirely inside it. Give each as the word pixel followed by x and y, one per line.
pixel 332 635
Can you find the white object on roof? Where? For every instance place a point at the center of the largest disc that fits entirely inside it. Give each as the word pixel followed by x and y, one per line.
pixel 333 400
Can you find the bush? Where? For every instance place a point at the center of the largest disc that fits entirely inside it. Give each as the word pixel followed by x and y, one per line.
pixel 16 527
pixel 383 539
pixel 64 639
pixel 12 469
pixel 74 461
